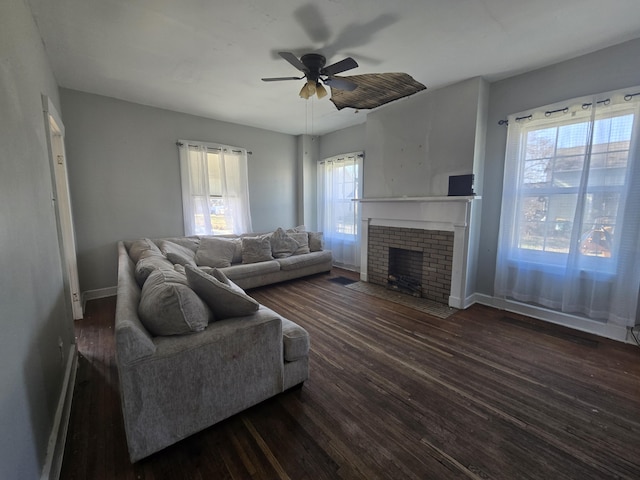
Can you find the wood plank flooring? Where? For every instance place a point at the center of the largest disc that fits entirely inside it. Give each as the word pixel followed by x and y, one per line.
pixel 393 394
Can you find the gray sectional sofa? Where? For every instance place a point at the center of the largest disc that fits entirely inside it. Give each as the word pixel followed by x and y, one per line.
pixel 192 348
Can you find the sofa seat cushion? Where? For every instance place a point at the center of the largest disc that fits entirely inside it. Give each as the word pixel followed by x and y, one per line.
pixel 296 341
pixel 299 261
pixel 224 298
pixel 168 306
pixel 237 272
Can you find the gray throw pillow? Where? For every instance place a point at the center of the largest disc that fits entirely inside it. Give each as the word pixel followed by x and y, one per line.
pixel 302 238
pixel 168 306
pixel 316 241
pixel 256 249
pixel 177 254
pixel 282 244
pixel 225 300
pixel 215 252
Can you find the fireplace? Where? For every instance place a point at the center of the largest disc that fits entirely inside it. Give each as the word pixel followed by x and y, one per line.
pixel 405 271
pixel 440 228
pixel 422 259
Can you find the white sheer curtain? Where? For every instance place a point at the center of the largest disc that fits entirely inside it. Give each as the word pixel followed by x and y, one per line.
pixel 215 189
pixel 339 183
pixel 570 224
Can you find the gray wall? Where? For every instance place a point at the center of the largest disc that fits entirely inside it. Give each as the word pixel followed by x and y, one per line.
pixel 308 146
pixel 608 69
pixel 34 313
pixel 347 140
pixel 413 145
pixel 125 178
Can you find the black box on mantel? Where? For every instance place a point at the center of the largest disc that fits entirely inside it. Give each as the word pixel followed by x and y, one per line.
pixel 461 185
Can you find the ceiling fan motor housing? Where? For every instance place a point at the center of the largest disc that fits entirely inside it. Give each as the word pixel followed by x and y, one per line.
pixel 314 63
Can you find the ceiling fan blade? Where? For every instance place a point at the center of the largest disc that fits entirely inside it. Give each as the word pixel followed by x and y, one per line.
pixel 341 84
pixel 338 67
pixel 293 60
pixel 278 79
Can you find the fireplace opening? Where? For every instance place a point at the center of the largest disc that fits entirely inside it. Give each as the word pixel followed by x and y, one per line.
pixel 405 271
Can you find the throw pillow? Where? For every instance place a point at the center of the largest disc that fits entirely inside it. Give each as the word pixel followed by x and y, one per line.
pixel 142 245
pixel 168 306
pixel 316 241
pixel 222 278
pixel 298 229
pixel 256 249
pixel 148 265
pixel 282 245
pixel 302 238
pixel 215 252
pixel 224 300
pixel 177 253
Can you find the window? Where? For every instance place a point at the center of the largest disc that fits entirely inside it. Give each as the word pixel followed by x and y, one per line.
pixel 569 225
pixel 555 158
pixel 215 194
pixel 339 184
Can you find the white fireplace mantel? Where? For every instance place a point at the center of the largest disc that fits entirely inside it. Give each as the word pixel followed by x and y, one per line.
pixel 451 214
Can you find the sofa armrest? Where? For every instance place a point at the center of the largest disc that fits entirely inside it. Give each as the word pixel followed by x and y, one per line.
pixel 133 341
pixel 193 381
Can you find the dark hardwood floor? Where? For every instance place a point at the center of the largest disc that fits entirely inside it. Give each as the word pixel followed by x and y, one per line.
pixel 393 393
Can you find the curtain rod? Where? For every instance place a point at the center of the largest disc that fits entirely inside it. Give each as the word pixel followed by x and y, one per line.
pixel 180 144
pixel 628 97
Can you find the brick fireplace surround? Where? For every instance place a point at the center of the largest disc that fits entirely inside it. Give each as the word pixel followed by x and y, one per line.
pixel 438 226
pixel 436 247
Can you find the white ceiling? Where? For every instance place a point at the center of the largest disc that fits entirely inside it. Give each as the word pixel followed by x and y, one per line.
pixel 206 57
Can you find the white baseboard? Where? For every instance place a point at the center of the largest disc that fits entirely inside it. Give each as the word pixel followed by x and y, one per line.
pixel 607 330
pixel 97 293
pixel 58 437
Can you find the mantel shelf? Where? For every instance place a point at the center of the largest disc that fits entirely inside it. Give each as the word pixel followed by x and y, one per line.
pixel 466 198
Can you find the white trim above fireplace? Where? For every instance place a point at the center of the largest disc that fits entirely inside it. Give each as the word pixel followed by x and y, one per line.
pixel 453 214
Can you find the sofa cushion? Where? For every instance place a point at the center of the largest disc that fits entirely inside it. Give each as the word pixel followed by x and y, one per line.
pixel 148 263
pixel 191 242
pixel 237 272
pixel 168 306
pixel 296 341
pixel 302 238
pixel 299 261
pixel 225 300
pixel 177 254
pixel 316 241
pixel 282 244
pixel 140 246
pixel 216 252
pixel 256 249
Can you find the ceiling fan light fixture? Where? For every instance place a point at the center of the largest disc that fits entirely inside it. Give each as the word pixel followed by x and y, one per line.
pixel 304 92
pixel 320 90
pixel 308 90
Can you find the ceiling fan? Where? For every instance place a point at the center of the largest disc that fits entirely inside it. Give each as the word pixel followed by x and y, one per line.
pixel 313 67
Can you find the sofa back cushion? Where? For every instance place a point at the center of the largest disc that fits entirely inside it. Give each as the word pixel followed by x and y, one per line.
pixel 176 253
pixel 316 241
pixel 148 263
pixel 217 252
pixel 256 249
pixel 282 244
pixel 140 246
pixel 168 306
